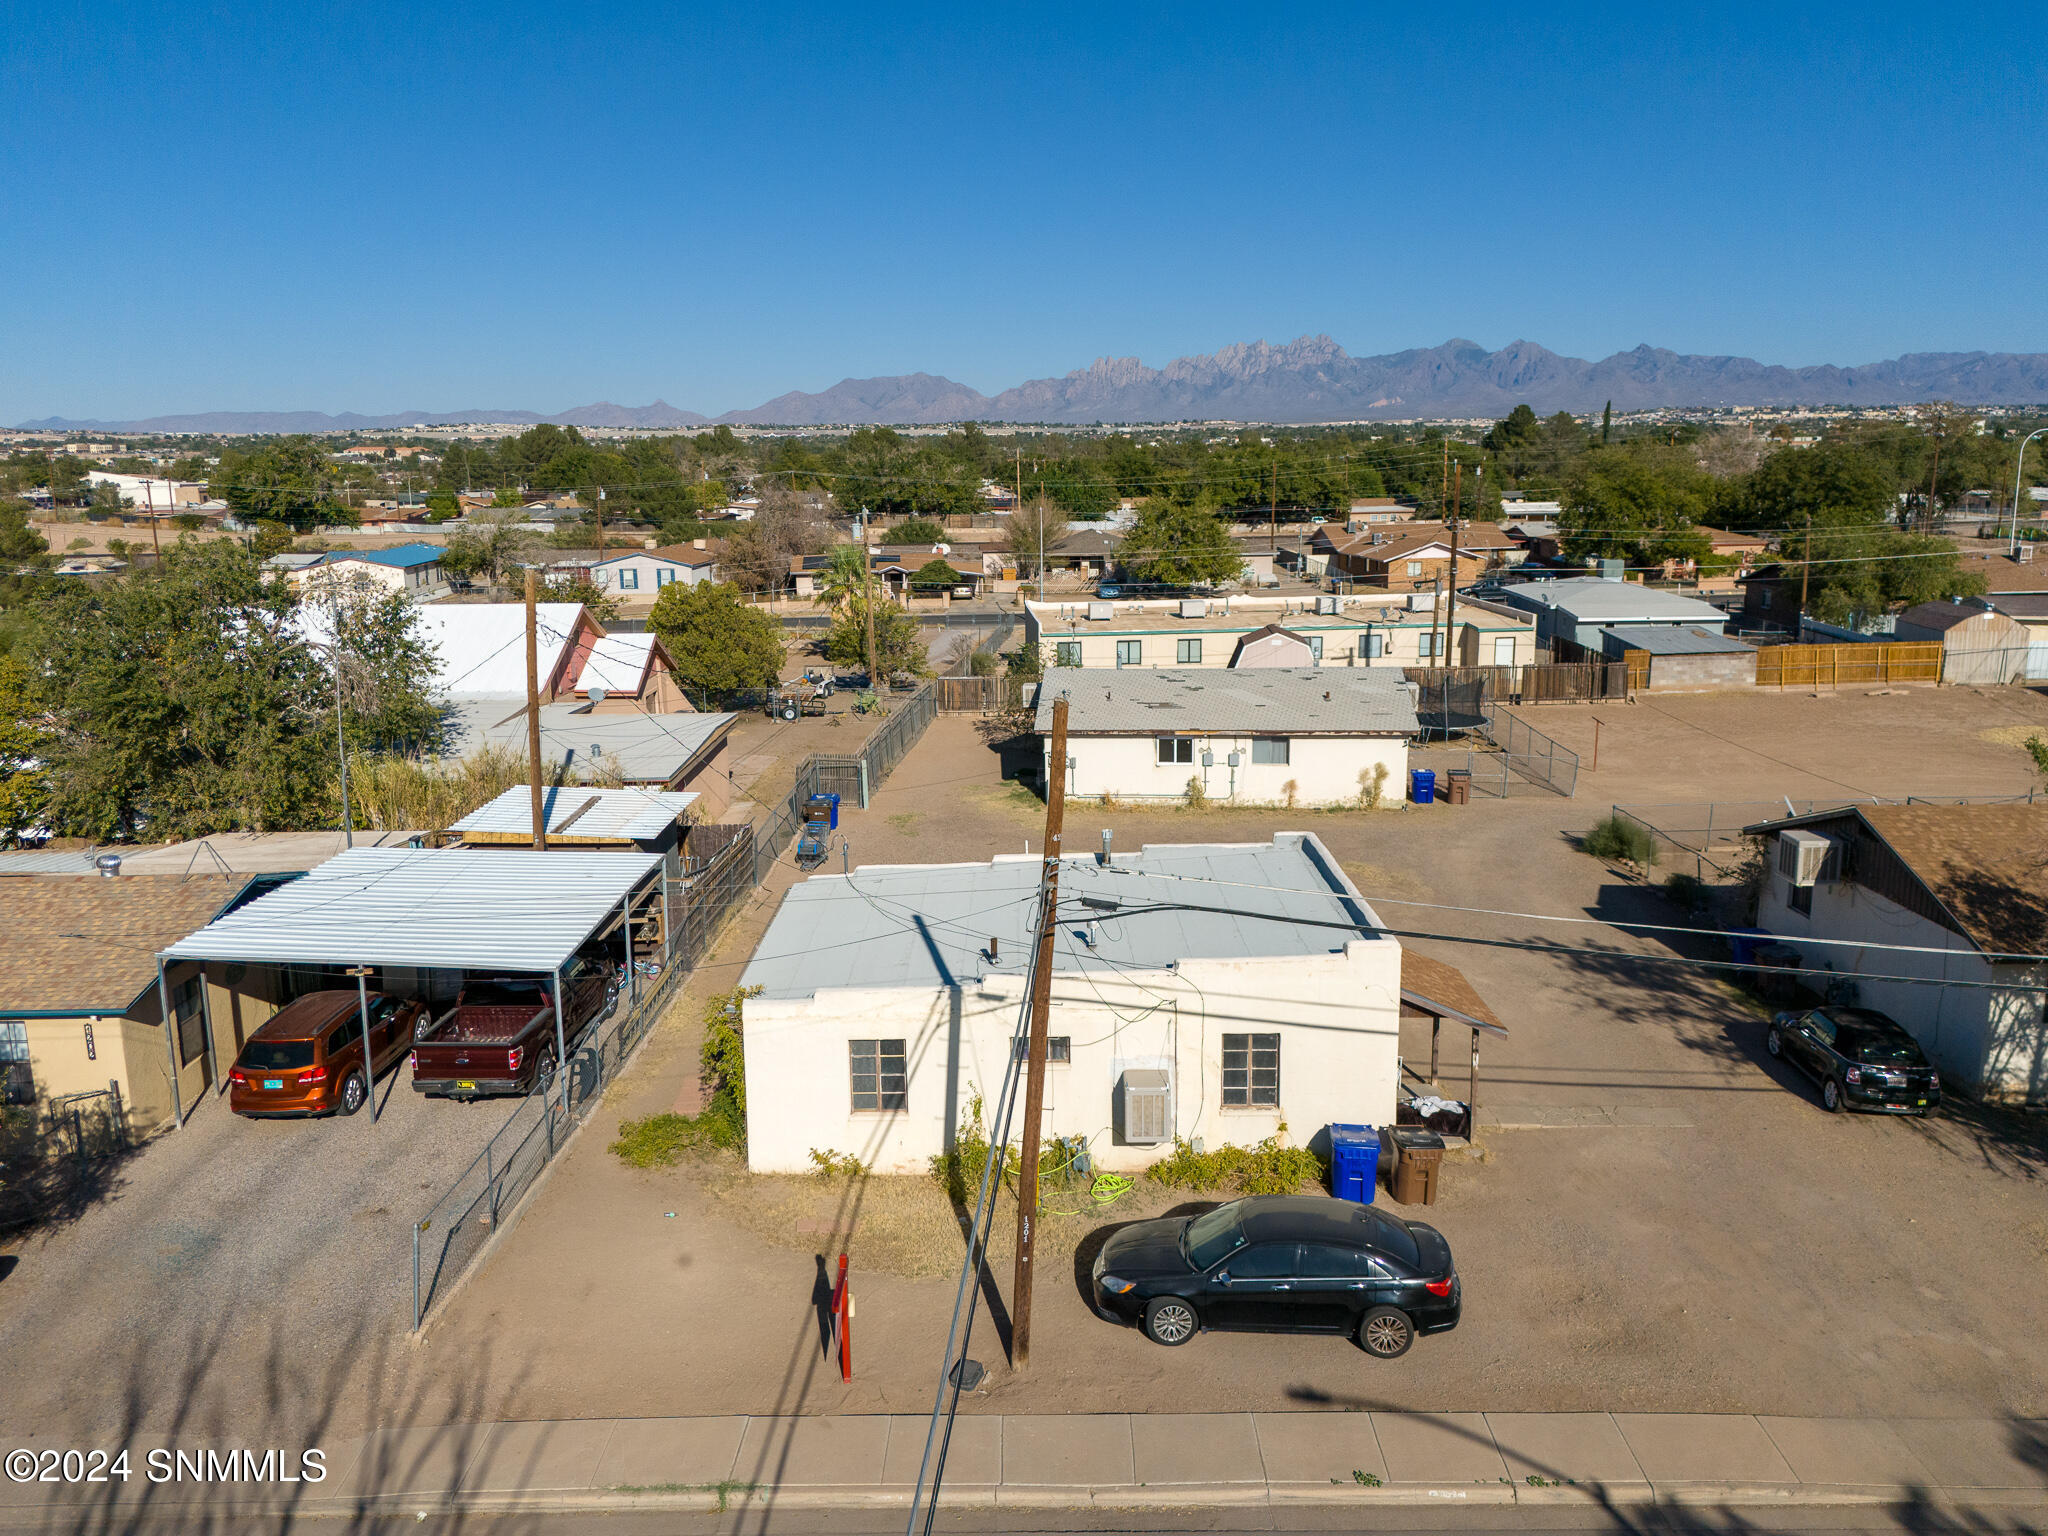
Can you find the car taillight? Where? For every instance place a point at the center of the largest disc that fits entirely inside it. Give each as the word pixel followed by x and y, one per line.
pixel 313 1075
pixel 412 1060
pixel 238 1076
pixel 514 1056
pixel 1934 1079
pixel 1438 1287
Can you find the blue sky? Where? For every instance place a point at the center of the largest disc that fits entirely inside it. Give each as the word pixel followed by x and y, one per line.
pixel 376 208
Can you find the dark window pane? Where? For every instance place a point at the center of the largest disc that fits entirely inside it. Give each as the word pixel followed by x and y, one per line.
pixel 1266 1261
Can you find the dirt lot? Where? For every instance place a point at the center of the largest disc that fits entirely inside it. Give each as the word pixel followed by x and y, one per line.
pixel 1740 1249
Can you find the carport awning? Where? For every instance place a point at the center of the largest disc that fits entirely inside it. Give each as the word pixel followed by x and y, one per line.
pixel 515 910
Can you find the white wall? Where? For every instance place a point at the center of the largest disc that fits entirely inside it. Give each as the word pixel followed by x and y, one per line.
pixel 650 573
pixel 1337 1016
pixel 1990 1043
pixel 1323 769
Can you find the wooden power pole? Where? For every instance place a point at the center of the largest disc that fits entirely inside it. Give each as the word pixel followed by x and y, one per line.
pixel 1451 587
pixel 1805 570
pixel 540 820
pixel 1034 1059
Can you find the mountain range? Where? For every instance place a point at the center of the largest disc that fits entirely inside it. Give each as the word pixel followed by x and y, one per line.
pixel 1311 379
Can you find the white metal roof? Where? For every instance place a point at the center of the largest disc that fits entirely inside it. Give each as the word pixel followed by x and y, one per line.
pixel 495 909
pixel 1593 599
pixel 617 664
pixel 642 748
pixel 483 645
pixel 574 811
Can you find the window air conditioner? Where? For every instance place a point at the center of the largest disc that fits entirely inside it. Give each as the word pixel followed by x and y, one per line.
pixel 1803 857
pixel 1144 1106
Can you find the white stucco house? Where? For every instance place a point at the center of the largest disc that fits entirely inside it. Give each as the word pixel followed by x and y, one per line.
pixel 1965 880
pixel 1265 735
pixel 891 997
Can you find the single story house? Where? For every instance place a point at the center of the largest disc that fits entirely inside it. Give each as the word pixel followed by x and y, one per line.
pixel 1680 656
pixel 1964 880
pixel 620 674
pixel 1414 557
pixel 1089 549
pixel 413 569
pixel 1306 736
pixel 640 574
pixel 1980 644
pixel 80 1011
pixel 1565 607
pixel 1352 630
pixel 890 1002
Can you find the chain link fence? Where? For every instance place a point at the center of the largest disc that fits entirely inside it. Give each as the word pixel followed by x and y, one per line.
pixel 57 1156
pixel 1709 832
pixel 1533 755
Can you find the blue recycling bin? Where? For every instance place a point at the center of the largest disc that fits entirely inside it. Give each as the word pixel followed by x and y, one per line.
pixel 1424 790
pixel 1354 1162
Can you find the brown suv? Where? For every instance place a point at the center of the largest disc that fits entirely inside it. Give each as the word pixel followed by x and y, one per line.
pixel 307 1059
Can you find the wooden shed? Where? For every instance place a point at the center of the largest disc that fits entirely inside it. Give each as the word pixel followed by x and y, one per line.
pixel 1979 644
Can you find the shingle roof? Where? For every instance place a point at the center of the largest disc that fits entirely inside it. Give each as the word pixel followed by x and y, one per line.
pixel 2002 573
pixel 1283 701
pixel 1941 614
pixel 90 946
pixel 1986 864
pixel 1432 981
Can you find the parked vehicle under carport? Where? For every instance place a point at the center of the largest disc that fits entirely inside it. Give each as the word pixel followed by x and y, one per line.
pixel 500 1036
pixel 307 1058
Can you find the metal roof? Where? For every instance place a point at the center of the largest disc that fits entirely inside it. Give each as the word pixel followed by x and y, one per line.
pixel 574 811
pixel 929 925
pixel 647 749
pixel 1280 701
pixel 1594 599
pixel 37 861
pixel 1675 640
pixel 509 910
pixel 616 663
pixel 401 556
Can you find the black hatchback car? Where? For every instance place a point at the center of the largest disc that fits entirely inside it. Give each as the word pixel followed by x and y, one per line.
pixel 1861 1058
pixel 1281 1264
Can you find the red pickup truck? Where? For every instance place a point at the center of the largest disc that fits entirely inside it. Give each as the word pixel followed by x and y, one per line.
pixel 499 1038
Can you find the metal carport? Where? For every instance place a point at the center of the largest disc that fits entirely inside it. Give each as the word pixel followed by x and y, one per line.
pixel 501 909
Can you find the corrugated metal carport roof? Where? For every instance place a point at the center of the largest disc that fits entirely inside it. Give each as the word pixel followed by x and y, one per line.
pixel 507 910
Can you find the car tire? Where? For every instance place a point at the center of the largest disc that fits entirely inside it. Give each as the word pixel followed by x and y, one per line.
pixel 1831 1097
pixel 1170 1320
pixel 354 1092
pixel 1385 1333
pixel 789 712
pixel 544 1073
pixel 1774 1041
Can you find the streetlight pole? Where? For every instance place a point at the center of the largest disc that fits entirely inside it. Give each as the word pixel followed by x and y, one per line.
pixel 2018 472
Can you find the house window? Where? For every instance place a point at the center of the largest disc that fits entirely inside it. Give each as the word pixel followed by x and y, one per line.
pixel 1414 567
pixel 1375 644
pixel 1800 899
pixel 663 575
pixel 629 579
pixel 1188 652
pixel 1066 653
pixel 880 1075
pixel 1129 653
pixel 1176 749
pixel 1251 1071
pixel 17 1081
pixel 1270 749
pixel 1059 1049
pixel 1425 644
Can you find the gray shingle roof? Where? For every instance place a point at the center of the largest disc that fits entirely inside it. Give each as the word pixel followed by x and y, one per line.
pixel 1342 701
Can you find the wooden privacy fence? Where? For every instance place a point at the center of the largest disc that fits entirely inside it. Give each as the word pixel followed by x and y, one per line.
pixel 1830 666
pixel 1567 682
pixel 980 695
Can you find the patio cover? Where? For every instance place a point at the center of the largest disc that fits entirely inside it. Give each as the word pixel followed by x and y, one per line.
pixel 513 910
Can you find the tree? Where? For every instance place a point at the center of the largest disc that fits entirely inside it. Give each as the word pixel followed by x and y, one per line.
pixel 1832 483
pixel 722 648
pixel 105 501
pixel 376 650
pixel 508 496
pixel 184 701
pixel 24 553
pixel 1038 525
pixel 935 574
pixel 844 575
pixel 603 603
pixel 1179 546
pixel 67 481
pixel 288 480
pixel 1638 505
pixel 897 648
pixel 489 547
pixel 270 538
pixel 24 782
pixel 441 506
pixel 785 525
pixel 917 530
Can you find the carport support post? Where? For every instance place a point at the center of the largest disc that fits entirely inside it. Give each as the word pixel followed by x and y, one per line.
pixel 561 1045
pixel 626 939
pixel 362 976
pixel 1472 1094
pixel 163 1003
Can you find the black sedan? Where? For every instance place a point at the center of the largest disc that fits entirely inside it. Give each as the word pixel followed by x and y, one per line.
pixel 1281 1264
pixel 1862 1059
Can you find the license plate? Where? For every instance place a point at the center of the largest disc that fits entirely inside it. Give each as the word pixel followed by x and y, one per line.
pixel 465 1085
pixel 1921 1102
pixel 273 1082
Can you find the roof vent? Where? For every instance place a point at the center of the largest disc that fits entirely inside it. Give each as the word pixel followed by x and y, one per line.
pixel 1102 611
pixel 108 864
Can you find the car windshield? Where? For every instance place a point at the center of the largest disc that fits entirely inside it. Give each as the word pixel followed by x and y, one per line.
pixel 277 1055
pixel 1878 1048
pixel 497 994
pixel 1212 1235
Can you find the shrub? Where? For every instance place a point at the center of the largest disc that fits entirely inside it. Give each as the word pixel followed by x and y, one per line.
pixel 1620 837
pixel 1372 787
pixel 1270 1168
pixel 660 1140
pixel 1197 796
pixel 834 1164
pixel 983 664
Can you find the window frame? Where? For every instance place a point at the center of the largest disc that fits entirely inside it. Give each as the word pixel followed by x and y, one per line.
pixel 1250 1094
pixel 880 1055
pixel 1136 656
pixel 629 579
pixel 1187 652
pixel 1799 898
pixel 1267 744
pixel 1066 653
pixel 1173 751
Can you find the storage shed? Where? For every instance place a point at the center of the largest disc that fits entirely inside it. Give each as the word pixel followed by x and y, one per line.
pixel 1979 643
pixel 1677 657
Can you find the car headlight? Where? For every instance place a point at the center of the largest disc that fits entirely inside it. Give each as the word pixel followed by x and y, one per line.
pixel 1116 1285
pixel 1853 1075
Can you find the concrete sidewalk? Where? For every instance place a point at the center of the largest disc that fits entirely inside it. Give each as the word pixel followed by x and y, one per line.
pixel 1148 1459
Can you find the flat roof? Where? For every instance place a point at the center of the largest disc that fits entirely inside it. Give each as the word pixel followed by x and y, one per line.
pixel 928 925
pixel 509 910
pixel 1675 639
pixel 1600 601
pixel 573 811
pixel 1276 701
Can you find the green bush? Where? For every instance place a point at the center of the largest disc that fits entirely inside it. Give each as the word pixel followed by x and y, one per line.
pixel 659 1140
pixel 1267 1169
pixel 1620 837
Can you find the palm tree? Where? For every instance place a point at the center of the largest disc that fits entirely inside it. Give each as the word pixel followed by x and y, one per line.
pixel 843 577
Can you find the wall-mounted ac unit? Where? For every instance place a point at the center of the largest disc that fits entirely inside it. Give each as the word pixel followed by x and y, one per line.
pixel 1193 608
pixel 1326 603
pixel 1803 857
pixel 1144 1107
pixel 1102 610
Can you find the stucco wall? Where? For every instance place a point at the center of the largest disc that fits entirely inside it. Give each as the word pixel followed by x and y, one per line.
pixel 1337 1016
pixel 1991 1043
pixel 1325 770
pixel 1343 644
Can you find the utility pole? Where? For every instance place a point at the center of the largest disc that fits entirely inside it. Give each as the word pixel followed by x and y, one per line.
pixel 1273 511
pixel 155 544
pixel 1451 596
pixel 867 600
pixel 1805 570
pixel 348 820
pixel 1034 1058
pixel 540 821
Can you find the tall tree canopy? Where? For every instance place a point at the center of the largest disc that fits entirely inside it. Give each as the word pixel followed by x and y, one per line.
pixel 722 648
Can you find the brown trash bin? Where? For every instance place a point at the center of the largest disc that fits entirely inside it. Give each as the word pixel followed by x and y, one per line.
pixel 1459 790
pixel 1418 1164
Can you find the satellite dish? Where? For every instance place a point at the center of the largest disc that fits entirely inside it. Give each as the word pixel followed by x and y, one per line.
pixel 595 695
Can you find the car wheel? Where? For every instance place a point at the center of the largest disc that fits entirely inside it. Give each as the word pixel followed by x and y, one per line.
pixel 1169 1320
pixel 353 1092
pixel 1774 1042
pixel 789 711
pixel 544 1073
pixel 1831 1097
pixel 1386 1332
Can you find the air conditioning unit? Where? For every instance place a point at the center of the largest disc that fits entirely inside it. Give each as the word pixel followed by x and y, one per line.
pixel 1102 610
pixel 1144 1107
pixel 1193 608
pixel 1803 857
pixel 1326 604
pixel 1422 602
